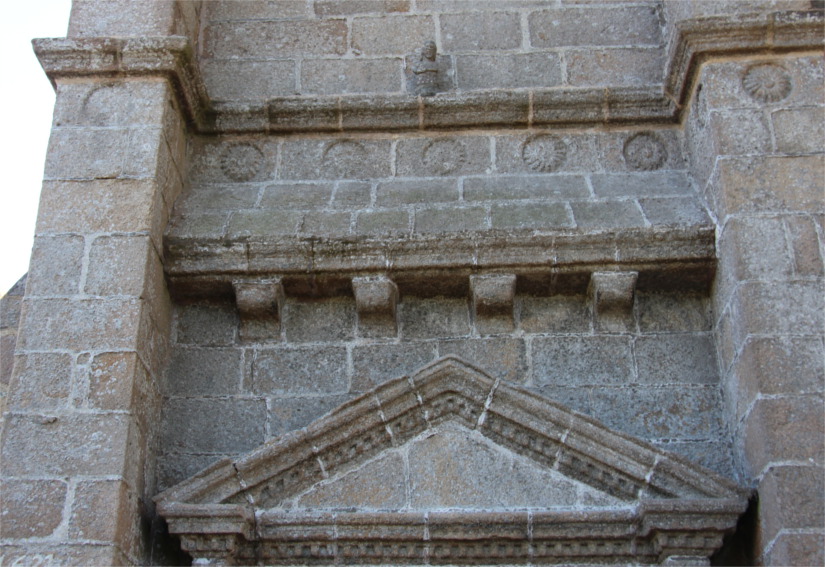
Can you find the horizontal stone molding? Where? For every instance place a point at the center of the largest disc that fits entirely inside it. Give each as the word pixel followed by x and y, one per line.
pixel 171 57
pixel 747 34
pixel 695 40
pixel 662 257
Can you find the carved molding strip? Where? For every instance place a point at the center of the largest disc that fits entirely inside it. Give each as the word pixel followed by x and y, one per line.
pixel 695 40
pixel 654 253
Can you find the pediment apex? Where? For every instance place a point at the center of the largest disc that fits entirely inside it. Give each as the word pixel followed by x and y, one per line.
pixel 452 389
pixel 659 504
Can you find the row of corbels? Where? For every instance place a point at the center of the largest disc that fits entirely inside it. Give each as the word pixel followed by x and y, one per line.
pixel 260 301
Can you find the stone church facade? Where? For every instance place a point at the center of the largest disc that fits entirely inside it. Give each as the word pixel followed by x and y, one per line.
pixel 423 282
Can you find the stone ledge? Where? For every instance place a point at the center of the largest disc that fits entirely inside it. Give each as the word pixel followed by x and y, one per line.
pixel 754 33
pixel 664 257
pixel 172 57
pixel 106 57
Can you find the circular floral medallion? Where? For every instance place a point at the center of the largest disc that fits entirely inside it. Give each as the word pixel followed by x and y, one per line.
pixel 346 158
pixel 241 161
pixel 544 152
pixel 767 82
pixel 444 157
pixel 644 152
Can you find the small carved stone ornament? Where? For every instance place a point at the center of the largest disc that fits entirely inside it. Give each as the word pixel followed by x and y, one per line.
pixel 644 152
pixel 767 82
pixel 427 72
pixel 544 152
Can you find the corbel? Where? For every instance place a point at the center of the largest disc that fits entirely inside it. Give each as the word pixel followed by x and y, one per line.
pixel 493 296
pixel 260 303
pixel 611 293
pixel 376 300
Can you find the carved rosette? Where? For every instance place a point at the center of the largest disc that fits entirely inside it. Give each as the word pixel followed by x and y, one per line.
pixel 241 161
pixel 444 157
pixel 345 157
pixel 767 82
pixel 644 152
pixel 544 152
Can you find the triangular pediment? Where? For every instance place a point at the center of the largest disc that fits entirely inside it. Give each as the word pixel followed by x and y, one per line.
pixel 448 440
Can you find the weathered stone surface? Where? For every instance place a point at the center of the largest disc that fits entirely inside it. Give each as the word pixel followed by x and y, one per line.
pixel 582 360
pixel 798 130
pixel 335 159
pixel 376 299
pixel 613 214
pixel 119 265
pixel 389 221
pixel 587 68
pixel 392 35
pixel 454 219
pixel 494 188
pixel 348 7
pixel 661 412
pixel 96 514
pixel 670 312
pixel 98 324
pixel 676 359
pixel 274 39
pixel 784 429
pixel 531 215
pixel 316 321
pixel 748 185
pixel 260 305
pixel 482 478
pixel 648 184
pixel 204 372
pixel 66 445
pixel 443 156
pixel 430 318
pixel 555 314
pixel 504 358
pixel 111 103
pixel 289 414
pixel 797 549
pixel 56 265
pixel 794 494
pixel 206 324
pixel 414 191
pixel 631 25
pixel 329 76
pixel 378 485
pixel 508 71
pixel 212 425
pixel 481 31
pixel 234 80
pixel 300 371
pixel 807 250
pixel 120 18
pixel 375 364
pixel 784 365
pixel 31 508
pixel 676 211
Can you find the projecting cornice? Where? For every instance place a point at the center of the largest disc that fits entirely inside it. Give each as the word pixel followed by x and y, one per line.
pixel 695 41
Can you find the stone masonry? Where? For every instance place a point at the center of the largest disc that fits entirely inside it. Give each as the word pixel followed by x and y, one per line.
pixel 604 220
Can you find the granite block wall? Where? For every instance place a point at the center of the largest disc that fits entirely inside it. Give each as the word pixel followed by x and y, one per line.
pixel 762 174
pixel 256 50
pixel 185 176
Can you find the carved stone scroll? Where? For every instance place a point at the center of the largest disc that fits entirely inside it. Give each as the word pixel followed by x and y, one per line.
pixel 259 305
pixel 376 298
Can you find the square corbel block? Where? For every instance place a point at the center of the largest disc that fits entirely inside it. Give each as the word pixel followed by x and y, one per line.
pixel 259 303
pixel 612 292
pixel 376 300
pixel 493 296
